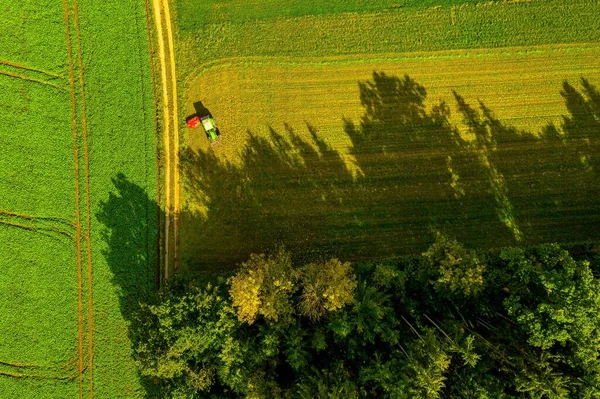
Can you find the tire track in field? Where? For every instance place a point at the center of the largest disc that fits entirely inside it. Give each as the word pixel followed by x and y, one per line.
pixel 43 225
pixel 77 212
pixel 44 221
pixel 27 68
pixel 21 370
pixel 175 137
pixel 170 130
pixel 19 365
pixel 17 76
pixel 36 376
pixel 90 316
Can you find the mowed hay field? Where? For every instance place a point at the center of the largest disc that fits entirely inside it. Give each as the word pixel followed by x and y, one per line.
pixel 77 196
pixel 335 142
pixel 521 85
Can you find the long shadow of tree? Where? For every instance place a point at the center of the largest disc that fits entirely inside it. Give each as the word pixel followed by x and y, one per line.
pixel 284 193
pixel 130 220
pixel 546 186
pixel 417 173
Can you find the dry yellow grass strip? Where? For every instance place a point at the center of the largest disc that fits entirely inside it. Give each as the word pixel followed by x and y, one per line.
pixel 166 126
pixel 175 135
pixel 170 130
pixel 77 212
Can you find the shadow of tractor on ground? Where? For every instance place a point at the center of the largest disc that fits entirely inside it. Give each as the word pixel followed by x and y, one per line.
pixel 199 111
pixel 417 174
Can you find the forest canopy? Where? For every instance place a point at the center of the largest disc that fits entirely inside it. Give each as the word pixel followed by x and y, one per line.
pixel 517 322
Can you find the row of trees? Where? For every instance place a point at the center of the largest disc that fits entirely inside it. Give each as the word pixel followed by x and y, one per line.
pixel 519 322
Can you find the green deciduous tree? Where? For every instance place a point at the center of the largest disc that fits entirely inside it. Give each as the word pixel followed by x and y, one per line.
pixel 184 339
pixel 556 300
pixel 457 269
pixel 406 329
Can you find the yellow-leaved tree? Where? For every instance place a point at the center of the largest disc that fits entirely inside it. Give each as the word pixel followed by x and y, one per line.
pixel 326 286
pixel 263 286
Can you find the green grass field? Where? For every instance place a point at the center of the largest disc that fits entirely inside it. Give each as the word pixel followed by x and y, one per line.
pixel 470 25
pixel 321 157
pixel 39 287
pixel 194 15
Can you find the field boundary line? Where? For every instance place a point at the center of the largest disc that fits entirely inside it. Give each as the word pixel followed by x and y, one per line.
pixel 27 68
pixel 90 321
pixel 175 137
pixel 155 110
pixel 77 211
pixel 166 126
pixel 17 76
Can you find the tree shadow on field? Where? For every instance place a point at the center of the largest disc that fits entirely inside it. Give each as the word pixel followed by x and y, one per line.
pixel 285 192
pixel 131 230
pixel 545 186
pixel 417 172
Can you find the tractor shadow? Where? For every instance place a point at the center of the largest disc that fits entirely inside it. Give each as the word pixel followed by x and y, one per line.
pixel 416 174
pixel 201 110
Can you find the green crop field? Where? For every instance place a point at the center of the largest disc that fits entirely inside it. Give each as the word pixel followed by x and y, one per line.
pixel 50 330
pixel 330 150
